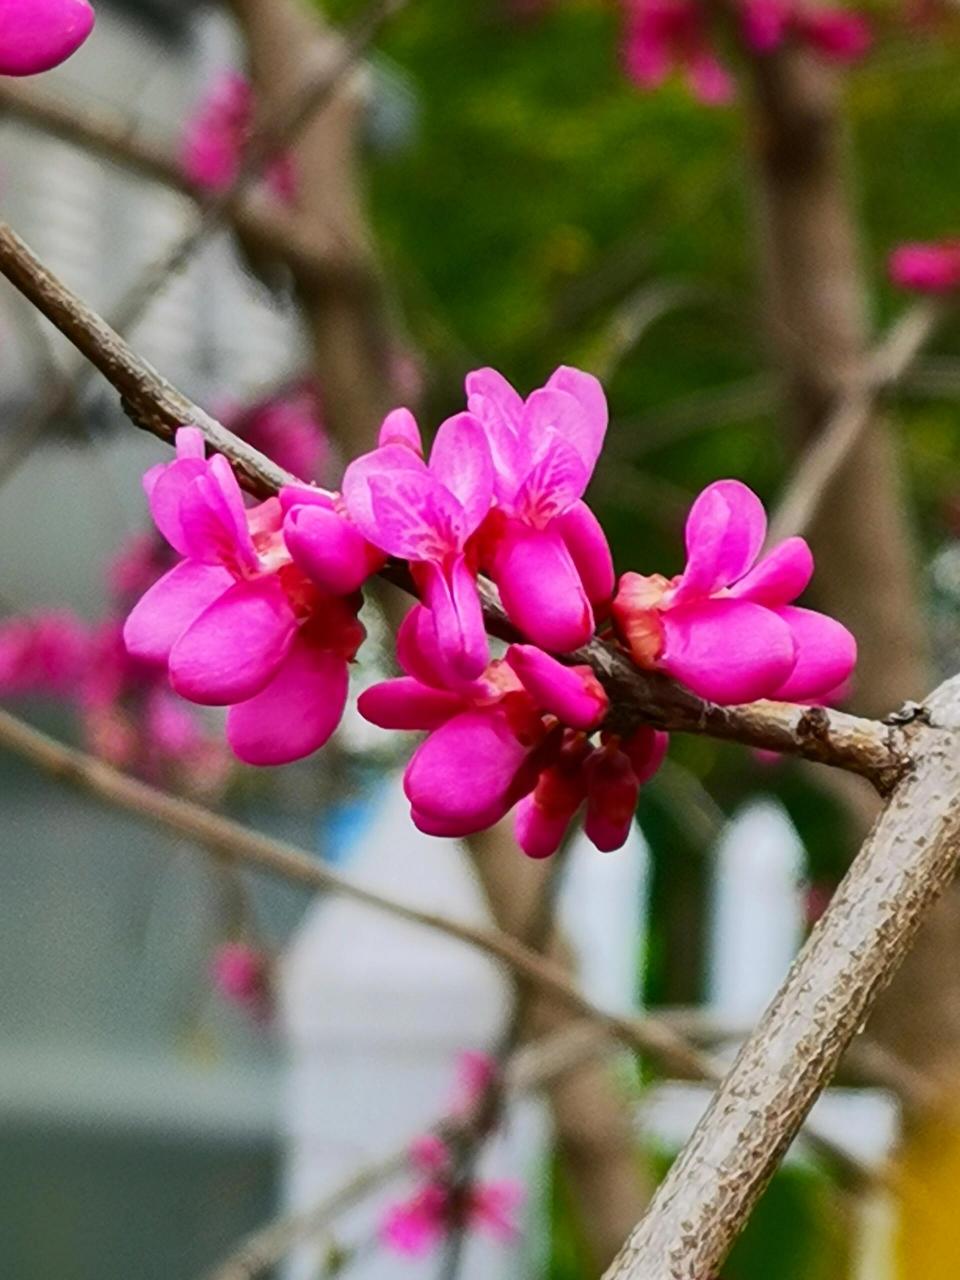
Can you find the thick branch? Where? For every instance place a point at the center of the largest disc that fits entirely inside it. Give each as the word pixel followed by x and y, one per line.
pixel 829 737
pixel 909 858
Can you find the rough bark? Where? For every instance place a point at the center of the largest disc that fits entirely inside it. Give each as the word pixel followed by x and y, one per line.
pixel 908 859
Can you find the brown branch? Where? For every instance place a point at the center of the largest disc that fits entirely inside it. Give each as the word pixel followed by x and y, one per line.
pixel 910 857
pixel 262 226
pixel 212 833
pixel 638 697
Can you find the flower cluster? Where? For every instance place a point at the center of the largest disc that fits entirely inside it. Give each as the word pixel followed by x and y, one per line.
pixel 414 1226
pixel 662 36
pixel 36 35
pixel 215 136
pixel 126 710
pixel 932 268
pixel 260 611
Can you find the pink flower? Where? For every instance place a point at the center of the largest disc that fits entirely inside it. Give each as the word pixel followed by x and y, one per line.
pixel 726 627
pixel 517 735
pixel 927 268
pixel 542 545
pixel 414 1226
pixel 836 34
pixel 241 975
pixel 242 620
pixel 36 35
pixel 427 514
pixel 216 134
pixel 287 427
pixel 661 36
pixel 43 654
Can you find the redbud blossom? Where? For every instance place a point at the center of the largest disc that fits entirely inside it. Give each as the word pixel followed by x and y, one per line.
pixel 36 35
pixel 839 35
pixel 726 627
pixel 516 735
pixel 541 544
pixel 663 36
pixel 238 621
pixel 216 134
pixel 426 513
pixel 241 975
pixel 927 268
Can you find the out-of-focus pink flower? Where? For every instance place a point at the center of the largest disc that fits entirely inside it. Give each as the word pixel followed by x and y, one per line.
pixel 287 427
pixel 132 718
pixel 818 895
pixel 36 35
pixel 927 268
pixel 242 621
pixel 516 735
pixel 840 35
pixel 144 559
pixel 663 36
pixel 241 975
pixel 414 1226
pixel 427 514
pixel 726 627
pixel 43 654
pixel 476 1071
pixel 542 544
pixel 215 136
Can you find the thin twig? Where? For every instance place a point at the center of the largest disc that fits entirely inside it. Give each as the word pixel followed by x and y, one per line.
pixel 828 450
pixel 211 832
pixel 637 697
pixel 527 1069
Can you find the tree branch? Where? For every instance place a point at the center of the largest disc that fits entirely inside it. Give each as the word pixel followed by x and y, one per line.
pixel 847 742
pixel 907 861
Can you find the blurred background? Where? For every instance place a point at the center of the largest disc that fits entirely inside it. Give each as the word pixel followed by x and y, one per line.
pixel 525 205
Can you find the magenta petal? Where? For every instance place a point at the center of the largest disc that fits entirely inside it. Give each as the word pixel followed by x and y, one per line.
pixel 235 646
pixel 357 479
pixel 826 655
pixel 400 427
pixel 464 774
pixel 725 531
pixel 587 544
pixel 166 486
pixel 727 650
pixel 36 35
pixel 572 694
pixel 550 483
pixel 296 712
pixel 458 618
pixel 594 415
pixel 779 577
pixel 328 548
pixel 460 459
pixel 305 495
pixel 541 589
pixel 490 396
pixel 405 703
pixel 539 834
pixel 190 443
pixel 417 649
pixel 160 617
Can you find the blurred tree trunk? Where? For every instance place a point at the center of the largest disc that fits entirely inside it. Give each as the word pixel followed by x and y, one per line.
pixel 352 345
pixel 867 568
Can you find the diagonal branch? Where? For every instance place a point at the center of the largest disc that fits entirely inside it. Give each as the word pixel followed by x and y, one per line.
pixel 211 832
pixel 909 858
pixel 848 742
pixel 829 450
